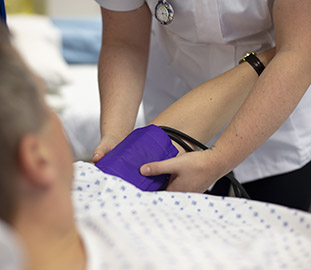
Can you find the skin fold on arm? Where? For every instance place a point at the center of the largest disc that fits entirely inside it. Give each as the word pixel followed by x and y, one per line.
pixel 272 99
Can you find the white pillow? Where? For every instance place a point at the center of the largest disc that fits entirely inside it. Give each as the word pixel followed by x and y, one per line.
pixel 39 43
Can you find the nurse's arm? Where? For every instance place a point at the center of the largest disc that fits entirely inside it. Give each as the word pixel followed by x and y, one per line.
pixel 203 112
pixel 121 72
pixel 272 99
pixel 277 92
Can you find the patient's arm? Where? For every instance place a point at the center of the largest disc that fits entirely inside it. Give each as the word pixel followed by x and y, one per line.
pixel 205 110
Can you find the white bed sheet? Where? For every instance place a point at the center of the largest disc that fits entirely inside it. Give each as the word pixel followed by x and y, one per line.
pixel 79 110
pixel 125 228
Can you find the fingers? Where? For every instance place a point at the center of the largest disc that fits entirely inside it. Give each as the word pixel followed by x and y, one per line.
pixel 189 172
pixel 160 167
pixel 170 166
pixel 105 145
pixel 99 152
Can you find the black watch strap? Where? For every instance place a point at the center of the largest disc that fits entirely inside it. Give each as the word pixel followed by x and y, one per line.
pixel 253 60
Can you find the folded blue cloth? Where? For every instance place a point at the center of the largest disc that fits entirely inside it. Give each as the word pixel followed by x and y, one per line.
pixel 81 39
pixel 142 146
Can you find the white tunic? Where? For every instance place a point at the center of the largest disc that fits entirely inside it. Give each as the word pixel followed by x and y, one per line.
pixel 206 38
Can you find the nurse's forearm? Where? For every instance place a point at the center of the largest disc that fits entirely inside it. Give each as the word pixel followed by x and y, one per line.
pixel 121 83
pixel 278 90
pixel 205 110
pixel 273 98
pixel 122 68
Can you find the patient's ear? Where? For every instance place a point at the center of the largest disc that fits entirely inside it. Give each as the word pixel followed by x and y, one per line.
pixel 34 161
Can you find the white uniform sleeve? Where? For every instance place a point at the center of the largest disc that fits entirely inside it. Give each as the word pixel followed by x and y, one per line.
pixel 121 5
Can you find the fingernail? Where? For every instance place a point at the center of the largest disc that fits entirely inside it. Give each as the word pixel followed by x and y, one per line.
pixel 96 155
pixel 146 170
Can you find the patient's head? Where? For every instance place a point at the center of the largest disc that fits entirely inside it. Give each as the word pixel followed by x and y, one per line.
pixel 33 148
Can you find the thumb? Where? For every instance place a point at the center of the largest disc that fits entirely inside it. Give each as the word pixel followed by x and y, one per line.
pixel 159 167
pixel 101 150
pixel 106 144
pixel 98 154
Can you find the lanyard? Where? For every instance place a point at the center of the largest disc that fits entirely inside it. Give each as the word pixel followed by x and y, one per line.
pixel 2 11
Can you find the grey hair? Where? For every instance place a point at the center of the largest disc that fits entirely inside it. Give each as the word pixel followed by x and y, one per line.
pixel 22 111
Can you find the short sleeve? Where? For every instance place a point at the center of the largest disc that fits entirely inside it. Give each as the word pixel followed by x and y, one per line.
pixel 121 5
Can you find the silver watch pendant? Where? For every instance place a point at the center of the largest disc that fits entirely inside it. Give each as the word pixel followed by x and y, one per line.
pixel 164 12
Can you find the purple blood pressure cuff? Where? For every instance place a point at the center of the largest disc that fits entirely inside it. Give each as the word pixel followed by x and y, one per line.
pixel 142 146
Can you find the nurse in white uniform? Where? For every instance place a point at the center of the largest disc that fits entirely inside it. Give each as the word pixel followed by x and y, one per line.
pixel 268 142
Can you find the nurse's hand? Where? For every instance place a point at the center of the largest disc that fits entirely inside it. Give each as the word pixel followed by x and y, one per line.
pixel 106 144
pixel 191 172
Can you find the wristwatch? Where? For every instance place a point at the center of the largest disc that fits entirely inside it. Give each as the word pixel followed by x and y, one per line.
pixel 164 12
pixel 254 61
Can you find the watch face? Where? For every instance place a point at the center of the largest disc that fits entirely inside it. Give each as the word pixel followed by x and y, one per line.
pixel 164 12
